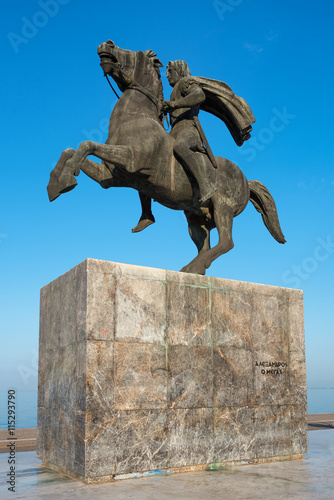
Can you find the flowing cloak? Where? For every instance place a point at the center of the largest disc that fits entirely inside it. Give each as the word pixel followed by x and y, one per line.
pixel 231 109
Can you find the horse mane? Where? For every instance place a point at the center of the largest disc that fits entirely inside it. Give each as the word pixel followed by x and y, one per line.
pixel 157 64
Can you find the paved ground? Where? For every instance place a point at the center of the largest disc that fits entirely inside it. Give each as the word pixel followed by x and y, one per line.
pixel 308 479
pixel 26 438
pixel 320 421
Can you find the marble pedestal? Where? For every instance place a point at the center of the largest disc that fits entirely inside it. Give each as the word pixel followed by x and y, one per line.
pixel 146 371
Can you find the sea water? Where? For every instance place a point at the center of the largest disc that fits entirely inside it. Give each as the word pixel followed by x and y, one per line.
pixel 25 409
pixel 318 401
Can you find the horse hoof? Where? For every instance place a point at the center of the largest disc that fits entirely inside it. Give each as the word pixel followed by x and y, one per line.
pixel 67 182
pixel 53 190
pixel 193 270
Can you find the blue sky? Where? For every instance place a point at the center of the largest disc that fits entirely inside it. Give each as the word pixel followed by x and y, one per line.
pixel 276 55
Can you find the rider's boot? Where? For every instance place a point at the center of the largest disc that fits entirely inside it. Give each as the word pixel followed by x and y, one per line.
pixel 147 218
pixel 197 164
pixel 144 221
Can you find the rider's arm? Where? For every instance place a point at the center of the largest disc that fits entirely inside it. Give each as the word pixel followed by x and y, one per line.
pixel 193 96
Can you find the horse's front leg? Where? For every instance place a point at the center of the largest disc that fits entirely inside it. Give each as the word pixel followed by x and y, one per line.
pixel 117 155
pixel 67 181
pixel 53 187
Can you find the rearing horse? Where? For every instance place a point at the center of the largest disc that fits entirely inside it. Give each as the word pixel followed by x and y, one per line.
pixel 139 154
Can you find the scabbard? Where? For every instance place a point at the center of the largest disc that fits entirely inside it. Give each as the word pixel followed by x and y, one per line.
pixel 205 141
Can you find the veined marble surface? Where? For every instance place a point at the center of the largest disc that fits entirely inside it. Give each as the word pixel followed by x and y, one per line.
pixel 142 370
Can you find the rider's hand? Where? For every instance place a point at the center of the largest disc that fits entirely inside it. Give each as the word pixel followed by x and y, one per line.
pixel 167 106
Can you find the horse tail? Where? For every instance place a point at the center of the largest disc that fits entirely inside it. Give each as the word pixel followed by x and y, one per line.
pixel 265 205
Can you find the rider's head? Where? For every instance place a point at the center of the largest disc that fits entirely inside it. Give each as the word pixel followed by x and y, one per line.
pixel 179 67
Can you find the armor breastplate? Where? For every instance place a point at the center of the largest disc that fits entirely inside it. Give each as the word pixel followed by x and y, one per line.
pixel 181 113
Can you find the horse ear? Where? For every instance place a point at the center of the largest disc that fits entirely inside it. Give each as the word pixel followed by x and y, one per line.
pixel 157 62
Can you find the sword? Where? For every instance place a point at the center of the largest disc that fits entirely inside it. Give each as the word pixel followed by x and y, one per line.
pixel 205 141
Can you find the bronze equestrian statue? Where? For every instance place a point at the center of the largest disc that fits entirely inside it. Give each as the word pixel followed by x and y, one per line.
pixel 183 109
pixel 178 169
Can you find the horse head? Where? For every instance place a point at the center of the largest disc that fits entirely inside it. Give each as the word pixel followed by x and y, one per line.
pixel 129 68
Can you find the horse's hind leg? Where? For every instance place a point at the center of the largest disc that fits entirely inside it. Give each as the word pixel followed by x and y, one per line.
pixel 199 231
pixel 223 216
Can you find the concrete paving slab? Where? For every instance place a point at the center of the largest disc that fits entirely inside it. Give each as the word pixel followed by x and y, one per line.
pixel 302 480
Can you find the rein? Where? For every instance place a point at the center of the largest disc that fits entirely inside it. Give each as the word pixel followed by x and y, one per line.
pixel 111 86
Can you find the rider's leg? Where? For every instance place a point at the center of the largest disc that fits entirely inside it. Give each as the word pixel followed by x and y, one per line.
pixel 198 165
pixel 188 146
pixel 147 218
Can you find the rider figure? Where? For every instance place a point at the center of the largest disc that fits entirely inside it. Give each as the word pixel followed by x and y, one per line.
pixel 183 107
pixel 186 98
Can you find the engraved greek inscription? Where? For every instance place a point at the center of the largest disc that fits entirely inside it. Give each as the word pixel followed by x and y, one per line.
pixel 271 367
